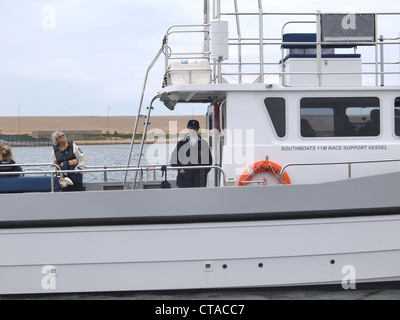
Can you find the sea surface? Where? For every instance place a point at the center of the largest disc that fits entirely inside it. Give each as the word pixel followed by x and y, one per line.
pixel 104 155
pixel 117 155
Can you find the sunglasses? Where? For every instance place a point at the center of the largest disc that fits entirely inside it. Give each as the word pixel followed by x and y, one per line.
pixel 60 136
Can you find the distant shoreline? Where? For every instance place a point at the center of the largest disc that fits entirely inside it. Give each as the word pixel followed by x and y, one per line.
pixel 101 142
pixel 113 142
pixel 112 124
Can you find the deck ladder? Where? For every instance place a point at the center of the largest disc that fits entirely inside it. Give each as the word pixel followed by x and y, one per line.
pixel 142 116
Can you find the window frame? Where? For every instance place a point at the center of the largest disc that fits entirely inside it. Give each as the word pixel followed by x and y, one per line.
pixel 340 106
pixel 273 122
pixel 396 127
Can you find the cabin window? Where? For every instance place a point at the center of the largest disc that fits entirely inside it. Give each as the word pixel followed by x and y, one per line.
pixel 276 108
pixel 397 117
pixel 340 117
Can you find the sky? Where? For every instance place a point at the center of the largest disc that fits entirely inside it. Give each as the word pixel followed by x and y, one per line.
pixel 89 57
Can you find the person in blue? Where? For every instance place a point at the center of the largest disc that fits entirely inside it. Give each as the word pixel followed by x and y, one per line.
pixel 7 164
pixel 192 151
pixel 68 157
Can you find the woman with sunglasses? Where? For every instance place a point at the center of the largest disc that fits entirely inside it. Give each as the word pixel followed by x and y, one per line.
pixel 68 157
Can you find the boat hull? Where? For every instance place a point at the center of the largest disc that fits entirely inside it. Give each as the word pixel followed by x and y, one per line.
pixel 188 256
pixel 201 238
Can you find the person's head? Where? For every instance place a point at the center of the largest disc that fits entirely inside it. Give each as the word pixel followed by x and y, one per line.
pixel 5 153
pixel 58 137
pixel 193 127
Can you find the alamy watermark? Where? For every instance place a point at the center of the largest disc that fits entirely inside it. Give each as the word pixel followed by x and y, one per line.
pixel 48 17
pixel 49 278
pixel 349 22
pixel 350 277
pixel 238 145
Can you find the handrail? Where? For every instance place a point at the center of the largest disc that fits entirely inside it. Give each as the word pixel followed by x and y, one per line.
pixel 349 163
pixel 260 41
pixel 168 55
pixel 157 96
pixel 31 165
pixel 99 169
pixel 138 117
pixel 238 64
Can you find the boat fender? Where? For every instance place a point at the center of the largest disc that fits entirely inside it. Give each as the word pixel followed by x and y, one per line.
pixel 263 166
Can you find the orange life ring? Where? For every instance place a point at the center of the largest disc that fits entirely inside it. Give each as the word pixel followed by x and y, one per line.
pixel 262 166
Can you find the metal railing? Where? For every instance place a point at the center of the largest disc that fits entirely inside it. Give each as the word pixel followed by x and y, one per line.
pixel 56 172
pixel 378 56
pixel 349 164
pixel 255 70
pixel 52 165
pixel 23 141
pixel 187 29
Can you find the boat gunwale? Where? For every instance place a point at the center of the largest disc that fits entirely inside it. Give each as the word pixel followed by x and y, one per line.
pixel 200 219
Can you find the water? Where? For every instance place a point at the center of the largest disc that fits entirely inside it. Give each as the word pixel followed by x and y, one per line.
pixel 101 155
pixel 105 155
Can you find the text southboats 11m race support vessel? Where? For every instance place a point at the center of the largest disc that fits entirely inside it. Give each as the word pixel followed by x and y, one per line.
pixel 303 189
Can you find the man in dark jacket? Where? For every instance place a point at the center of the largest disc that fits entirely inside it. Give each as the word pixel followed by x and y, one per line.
pixel 192 151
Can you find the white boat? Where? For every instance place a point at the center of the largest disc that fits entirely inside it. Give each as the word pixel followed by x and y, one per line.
pixel 303 189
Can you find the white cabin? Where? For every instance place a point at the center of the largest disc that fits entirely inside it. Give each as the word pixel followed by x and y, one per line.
pixel 321 111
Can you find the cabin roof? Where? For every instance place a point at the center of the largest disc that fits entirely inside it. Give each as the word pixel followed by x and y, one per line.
pixel 208 93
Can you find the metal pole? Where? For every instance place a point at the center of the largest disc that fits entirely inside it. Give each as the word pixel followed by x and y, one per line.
pixel 52 182
pixel 108 120
pixel 239 32
pixel 219 61
pixel 376 54
pixel 207 27
pixel 319 49
pixel 217 14
pixel 382 62
pixel 19 120
pixel 261 36
pixel 140 107
pixel 143 138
